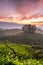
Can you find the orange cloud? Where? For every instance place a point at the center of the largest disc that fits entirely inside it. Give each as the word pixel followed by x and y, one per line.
pixel 36 19
pixel 36 15
pixel 23 20
pixel 6 19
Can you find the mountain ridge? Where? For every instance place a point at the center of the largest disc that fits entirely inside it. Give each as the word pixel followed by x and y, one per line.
pixel 9 25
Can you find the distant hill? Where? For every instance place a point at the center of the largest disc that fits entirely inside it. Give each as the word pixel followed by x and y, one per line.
pixel 18 36
pixel 9 25
pixel 9 32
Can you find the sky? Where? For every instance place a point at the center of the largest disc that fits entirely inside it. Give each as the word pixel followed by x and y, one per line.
pixel 22 11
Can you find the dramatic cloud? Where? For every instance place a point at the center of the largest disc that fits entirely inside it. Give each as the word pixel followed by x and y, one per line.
pixel 22 11
pixel 25 6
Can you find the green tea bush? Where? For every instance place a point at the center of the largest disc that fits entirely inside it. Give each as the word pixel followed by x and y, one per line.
pixel 23 55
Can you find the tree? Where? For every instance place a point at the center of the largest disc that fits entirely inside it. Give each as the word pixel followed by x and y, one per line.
pixel 29 28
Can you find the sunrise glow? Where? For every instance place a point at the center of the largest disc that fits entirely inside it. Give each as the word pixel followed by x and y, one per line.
pixel 22 11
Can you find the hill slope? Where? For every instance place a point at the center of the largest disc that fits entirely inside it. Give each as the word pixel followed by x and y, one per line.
pixel 26 38
pixel 9 32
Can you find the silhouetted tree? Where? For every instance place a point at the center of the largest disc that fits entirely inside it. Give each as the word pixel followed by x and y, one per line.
pixel 29 28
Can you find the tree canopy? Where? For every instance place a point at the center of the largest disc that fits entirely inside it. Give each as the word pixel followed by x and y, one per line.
pixel 29 28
